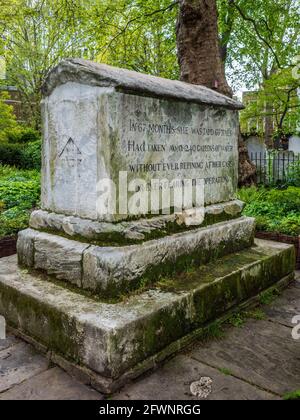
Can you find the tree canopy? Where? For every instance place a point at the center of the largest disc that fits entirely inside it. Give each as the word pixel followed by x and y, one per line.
pixel 257 39
pixel 7 118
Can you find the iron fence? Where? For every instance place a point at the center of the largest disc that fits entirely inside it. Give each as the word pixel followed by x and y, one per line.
pixel 276 167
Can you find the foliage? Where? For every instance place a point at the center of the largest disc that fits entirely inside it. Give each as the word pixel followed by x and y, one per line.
pixel 250 194
pixel 139 35
pixel 256 313
pixel 264 38
pixel 262 44
pixel 19 193
pixel 134 34
pixel 31 156
pixel 226 371
pixel 257 39
pixel 25 156
pixel 11 154
pixel 213 331
pixel 280 90
pixel 275 210
pixel 267 297
pixel 293 174
pixel 10 173
pixel 236 320
pixel 22 135
pixel 36 36
pixel 7 118
pixel 295 395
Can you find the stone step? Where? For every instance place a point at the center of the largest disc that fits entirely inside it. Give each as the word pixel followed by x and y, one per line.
pixel 114 271
pixel 114 342
pixel 130 232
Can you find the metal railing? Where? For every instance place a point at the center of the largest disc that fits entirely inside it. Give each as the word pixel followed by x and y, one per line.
pixel 276 167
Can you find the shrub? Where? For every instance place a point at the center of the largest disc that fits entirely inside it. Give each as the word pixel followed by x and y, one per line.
pixel 250 194
pixel 13 135
pixel 293 174
pixel 29 135
pixel 289 225
pixel 32 155
pixel 19 193
pixel 22 135
pixel 7 117
pixel 10 226
pixel 287 200
pixel 10 173
pixel 23 156
pixel 275 210
pixel 11 154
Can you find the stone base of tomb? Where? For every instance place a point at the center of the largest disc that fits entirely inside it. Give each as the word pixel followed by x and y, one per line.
pixel 111 271
pixel 134 231
pixel 107 343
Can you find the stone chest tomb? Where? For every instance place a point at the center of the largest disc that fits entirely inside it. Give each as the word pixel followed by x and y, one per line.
pixel 111 292
pixel 135 124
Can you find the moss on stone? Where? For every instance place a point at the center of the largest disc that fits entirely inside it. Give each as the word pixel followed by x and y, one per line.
pixel 198 297
pixel 42 322
pixel 186 265
pixel 96 297
pixel 116 239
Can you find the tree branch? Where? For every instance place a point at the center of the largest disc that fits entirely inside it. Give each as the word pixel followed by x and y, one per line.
pixel 123 30
pixel 255 26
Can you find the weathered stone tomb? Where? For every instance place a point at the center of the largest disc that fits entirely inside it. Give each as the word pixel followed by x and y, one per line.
pixel 113 276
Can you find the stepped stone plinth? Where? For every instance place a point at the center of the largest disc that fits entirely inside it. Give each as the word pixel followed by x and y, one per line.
pixel 140 241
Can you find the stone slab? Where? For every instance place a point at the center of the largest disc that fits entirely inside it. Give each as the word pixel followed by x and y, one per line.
pixel 53 384
pixel 18 363
pixel 60 257
pixel 137 230
pixel 95 74
pixel 286 307
pixel 256 354
pixel 173 380
pixel 111 271
pixel 8 342
pixel 114 339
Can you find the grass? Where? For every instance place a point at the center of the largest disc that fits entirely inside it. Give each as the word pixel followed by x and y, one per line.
pixel 216 329
pixel 213 331
pixel 225 371
pixel 257 314
pixel 268 297
pixel 237 320
pixel 295 395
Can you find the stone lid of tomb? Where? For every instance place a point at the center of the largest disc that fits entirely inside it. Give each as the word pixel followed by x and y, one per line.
pixel 127 81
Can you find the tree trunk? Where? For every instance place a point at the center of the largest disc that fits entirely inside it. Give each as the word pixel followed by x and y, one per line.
pixel 269 127
pixel 198 45
pixel 247 169
pixel 199 57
